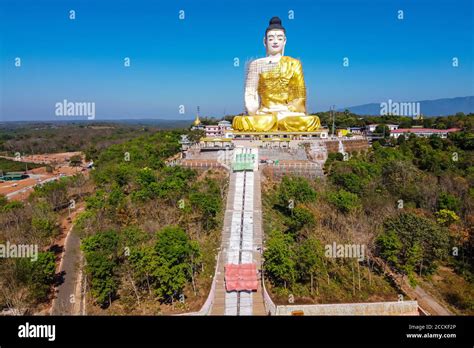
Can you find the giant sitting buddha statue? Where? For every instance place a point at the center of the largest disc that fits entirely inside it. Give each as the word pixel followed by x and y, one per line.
pixel 275 92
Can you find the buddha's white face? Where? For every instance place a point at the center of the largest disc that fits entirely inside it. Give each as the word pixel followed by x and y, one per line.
pixel 275 42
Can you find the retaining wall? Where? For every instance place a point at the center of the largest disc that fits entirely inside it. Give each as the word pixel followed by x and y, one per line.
pixel 376 308
pixel 350 145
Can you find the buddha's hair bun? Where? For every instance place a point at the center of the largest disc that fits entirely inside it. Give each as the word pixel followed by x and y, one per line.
pixel 275 20
pixel 275 23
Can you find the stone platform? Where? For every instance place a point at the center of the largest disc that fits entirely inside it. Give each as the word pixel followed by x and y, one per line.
pixel 274 154
pixel 278 136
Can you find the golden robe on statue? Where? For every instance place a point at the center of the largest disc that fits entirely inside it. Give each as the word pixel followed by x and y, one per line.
pixel 281 96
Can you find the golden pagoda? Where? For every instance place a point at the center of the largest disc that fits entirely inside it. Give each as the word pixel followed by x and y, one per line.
pixel 197 121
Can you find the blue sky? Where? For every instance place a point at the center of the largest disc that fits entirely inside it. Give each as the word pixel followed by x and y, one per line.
pixel 190 62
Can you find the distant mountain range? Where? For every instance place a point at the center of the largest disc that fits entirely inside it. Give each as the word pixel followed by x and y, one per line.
pixel 436 107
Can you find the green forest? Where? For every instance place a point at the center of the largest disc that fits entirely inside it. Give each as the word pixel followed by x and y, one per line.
pixel 27 285
pixel 45 137
pixel 150 231
pixel 7 165
pixel 409 202
pixel 346 118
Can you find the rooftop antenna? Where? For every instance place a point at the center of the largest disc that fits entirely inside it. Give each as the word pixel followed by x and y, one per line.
pixel 333 107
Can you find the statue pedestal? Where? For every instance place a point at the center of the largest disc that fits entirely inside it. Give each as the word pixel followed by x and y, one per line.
pixel 263 136
pixel 277 139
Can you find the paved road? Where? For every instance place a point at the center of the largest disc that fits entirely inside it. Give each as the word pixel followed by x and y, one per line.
pixel 30 187
pixel 68 300
pixel 427 302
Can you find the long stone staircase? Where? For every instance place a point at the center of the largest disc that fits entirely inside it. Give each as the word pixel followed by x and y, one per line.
pixel 241 243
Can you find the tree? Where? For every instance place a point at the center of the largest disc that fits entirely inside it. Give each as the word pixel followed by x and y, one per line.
pixel 354 175
pixel 37 275
pixel 177 259
pixel 449 202
pixel 75 161
pixel 3 201
pixel 310 261
pixel 144 262
pixel 401 140
pixel 428 122
pixel 100 252
pixel 406 123
pixel 54 192
pixel 344 201
pixel 12 205
pixel 43 221
pixel 389 246
pixel 209 205
pixel 171 185
pixel 97 201
pixel 419 237
pixel 446 217
pixel 402 179
pixel 414 257
pixel 279 259
pixel 297 189
pixel 103 283
pixel 463 140
pixel 195 135
pixel 299 218
pixel 382 129
pixel 349 181
pixel 42 274
pixel 91 153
